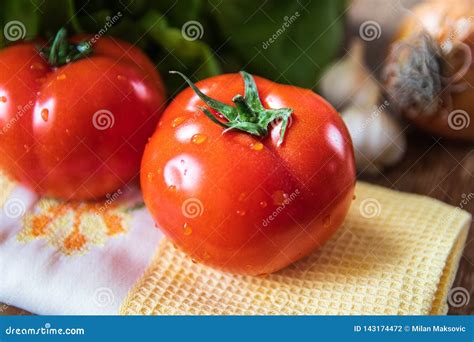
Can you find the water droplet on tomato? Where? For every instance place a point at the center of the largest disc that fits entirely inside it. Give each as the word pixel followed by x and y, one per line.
pixel 198 138
pixel 45 114
pixel 242 196
pixel 121 77
pixel 241 212
pixel 177 121
pixel 26 147
pixel 279 197
pixel 327 221
pixel 61 77
pixel 263 204
pixel 187 230
pixel 194 261
pixel 258 146
pixel 172 188
pixel 149 176
pixel 37 66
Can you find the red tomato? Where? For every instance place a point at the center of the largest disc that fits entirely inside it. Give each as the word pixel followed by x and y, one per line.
pixel 240 202
pixel 77 131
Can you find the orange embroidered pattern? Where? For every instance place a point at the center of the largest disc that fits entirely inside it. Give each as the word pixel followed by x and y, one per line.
pixel 73 227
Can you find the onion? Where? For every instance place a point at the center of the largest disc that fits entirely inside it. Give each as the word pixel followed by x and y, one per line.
pixel 429 73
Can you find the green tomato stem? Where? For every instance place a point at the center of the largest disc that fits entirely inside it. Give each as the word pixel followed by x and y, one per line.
pixel 62 52
pixel 248 115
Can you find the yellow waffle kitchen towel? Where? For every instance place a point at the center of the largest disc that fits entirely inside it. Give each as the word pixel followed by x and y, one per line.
pixel 396 254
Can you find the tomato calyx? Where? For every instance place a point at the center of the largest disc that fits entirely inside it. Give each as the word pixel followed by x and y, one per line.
pixel 62 52
pixel 248 115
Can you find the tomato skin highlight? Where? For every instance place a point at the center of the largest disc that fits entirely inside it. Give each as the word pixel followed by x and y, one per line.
pixel 240 203
pixel 51 141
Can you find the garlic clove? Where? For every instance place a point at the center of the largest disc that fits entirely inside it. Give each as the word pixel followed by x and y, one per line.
pixel 349 81
pixel 376 136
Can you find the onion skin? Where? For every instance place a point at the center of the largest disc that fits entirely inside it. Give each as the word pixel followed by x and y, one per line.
pixel 437 22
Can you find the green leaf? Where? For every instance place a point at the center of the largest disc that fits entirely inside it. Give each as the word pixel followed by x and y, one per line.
pixel 19 19
pixel 191 56
pixel 53 14
pixel 235 34
pixel 282 40
pixel 179 12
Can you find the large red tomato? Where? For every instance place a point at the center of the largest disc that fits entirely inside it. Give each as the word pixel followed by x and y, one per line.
pixel 243 200
pixel 76 129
